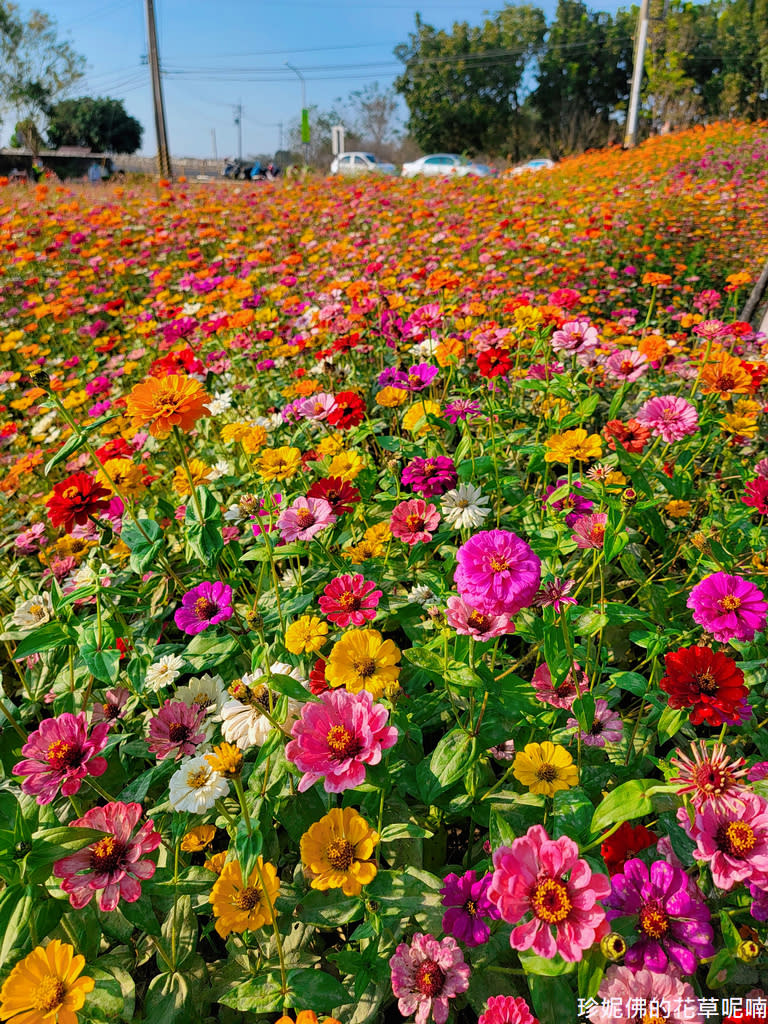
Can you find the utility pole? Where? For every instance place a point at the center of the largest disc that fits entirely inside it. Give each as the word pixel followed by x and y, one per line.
pixel 641 38
pixel 163 153
pixel 213 140
pixel 304 112
pixel 239 123
pixel 279 136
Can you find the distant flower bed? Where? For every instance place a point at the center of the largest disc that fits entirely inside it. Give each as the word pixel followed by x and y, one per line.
pixel 384 597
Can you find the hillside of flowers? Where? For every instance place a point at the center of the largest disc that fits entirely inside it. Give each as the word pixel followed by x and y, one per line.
pixel 384 594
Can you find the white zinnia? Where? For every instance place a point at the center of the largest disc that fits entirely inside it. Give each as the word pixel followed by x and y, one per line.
pixel 196 787
pixel 206 692
pixel 221 403
pixel 33 612
pixel 246 725
pixel 163 672
pixel 421 594
pixel 463 507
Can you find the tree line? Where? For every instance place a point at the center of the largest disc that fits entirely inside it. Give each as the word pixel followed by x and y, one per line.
pixel 517 85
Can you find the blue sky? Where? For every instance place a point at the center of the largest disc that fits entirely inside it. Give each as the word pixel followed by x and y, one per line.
pixel 339 46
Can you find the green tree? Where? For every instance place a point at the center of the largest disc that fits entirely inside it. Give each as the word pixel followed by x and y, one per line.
pixel 464 88
pixel 583 77
pixel 102 124
pixel 742 40
pixel 36 67
pixel 374 114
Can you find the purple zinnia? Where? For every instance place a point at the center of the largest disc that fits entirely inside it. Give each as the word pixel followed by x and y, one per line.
pixel 176 729
pixel 573 503
pixel 728 607
pixel 416 379
pixel 431 476
pixel 606 726
pixel 497 572
pixel 466 897
pixel 461 409
pixel 204 605
pixel 673 925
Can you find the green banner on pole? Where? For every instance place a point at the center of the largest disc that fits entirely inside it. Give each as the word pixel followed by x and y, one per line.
pixel 305 125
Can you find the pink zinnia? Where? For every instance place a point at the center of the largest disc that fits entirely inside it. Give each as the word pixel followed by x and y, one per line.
pixel 304 518
pixel 606 726
pixel 337 737
pixel 414 521
pixel 350 600
pixel 655 996
pixel 507 1010
pixel 627 364
pixel 176 729
pixel 728 607
pixel 530 878
pixel 207 604
pixel 589 531
pixel 425 975
pixel 497 572
pixel 575 336
pixel 734 841
pixel 112 866
pixel 61 754
pixel 562 696
pixel 468 621
pixel 317 407
pixel 669 417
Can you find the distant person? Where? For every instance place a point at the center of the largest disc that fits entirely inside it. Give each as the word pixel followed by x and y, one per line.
pixel 94 173
pixel 38 170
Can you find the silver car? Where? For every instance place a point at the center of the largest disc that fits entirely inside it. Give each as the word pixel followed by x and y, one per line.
pixel 445 164
pixel 360 163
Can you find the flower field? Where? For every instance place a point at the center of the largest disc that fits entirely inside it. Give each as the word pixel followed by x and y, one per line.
pixel 384 597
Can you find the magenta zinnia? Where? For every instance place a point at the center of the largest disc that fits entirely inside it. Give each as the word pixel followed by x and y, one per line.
pixel 337 737
pixel 350 600
pixel 734 841
pixel 425 975
pixel 113 866
pixel 546 879
pixel 728 607
pixel 497 572
pixel 205 605
pixel 61 754
pixel 177 730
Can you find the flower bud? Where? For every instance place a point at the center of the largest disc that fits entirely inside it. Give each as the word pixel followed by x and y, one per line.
pixel 613 946
pixel 748 950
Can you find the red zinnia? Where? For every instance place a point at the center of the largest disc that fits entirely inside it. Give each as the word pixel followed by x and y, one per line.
pixel 494 362
pixel 340 494
pixel 348 411
pixel 182 361
pixel 625 843
pixel 317 682
pixel 75 499
pixel 632 435
pixel 115 448
pixel 757 495
pixel 708 681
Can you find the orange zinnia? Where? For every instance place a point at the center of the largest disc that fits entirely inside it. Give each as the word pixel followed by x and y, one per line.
pixel 726 377
pixel 174 401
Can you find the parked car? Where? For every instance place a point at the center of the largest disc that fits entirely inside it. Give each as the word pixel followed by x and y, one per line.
pixel 360 163
pixel 543 164
pixel 445 163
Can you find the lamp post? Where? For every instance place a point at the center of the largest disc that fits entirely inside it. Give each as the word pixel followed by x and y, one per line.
pixel 304 112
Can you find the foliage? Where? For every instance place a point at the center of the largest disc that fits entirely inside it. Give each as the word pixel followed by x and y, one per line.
pixel 101 124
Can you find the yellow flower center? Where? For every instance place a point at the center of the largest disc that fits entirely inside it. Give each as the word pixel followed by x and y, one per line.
pixel 348 601
pixel 654 1019
pixel 414 522
pixel 480 621
pixel 196 780
pixel 35 609
pixel 305 518
pixel 729 603
pixel 62 755
pixel 248 898
pixel 49 994
pixel 470 907
pixel 653 920
pixel 430 978
pixel 499 564
pixel 550 901
pixel 341 741
pixel 204 609
pixel 739 838
pixel 340 853
pixel 107 854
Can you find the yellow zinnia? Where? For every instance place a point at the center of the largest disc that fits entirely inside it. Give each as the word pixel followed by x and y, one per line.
pixel 198 838
pixel 308 633
pixel 573 444
pixel 239 906
pixel 337 851
pixel 545 768
pixel 419 411
pixel 363 660
pixel 279 463
pixel 346 465
pixel 391 398
pixel 198 471
pixel 45 987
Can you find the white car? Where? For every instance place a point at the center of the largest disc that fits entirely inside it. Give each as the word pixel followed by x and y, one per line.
pixel 447 164
pixel 360 163
pixel 542 164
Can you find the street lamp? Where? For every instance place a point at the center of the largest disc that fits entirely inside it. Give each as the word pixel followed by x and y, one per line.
pixel 304 112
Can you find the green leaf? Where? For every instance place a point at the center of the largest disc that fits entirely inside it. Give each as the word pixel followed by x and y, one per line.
pixel 614 544
pixel 45 638
pixel 207 650
pixel 258 995
pixel 327 910
pixel 572 813
pixel 450 761
pixel 552 998
pixel 629 800
pixel 106 1000
pixel 204 536
pixel 56 843
pixel 545 968
pixel 315 990
pixel 633 682
pixel 167 1000
pixel 16 905
pixel 290 687
pixel 404 831
pixel 590 972
pixel 103 665
pixel 589 623
pixel 182 919
pixel 144 550
pixel 671 722
pixel 76 441
pixel 141 915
